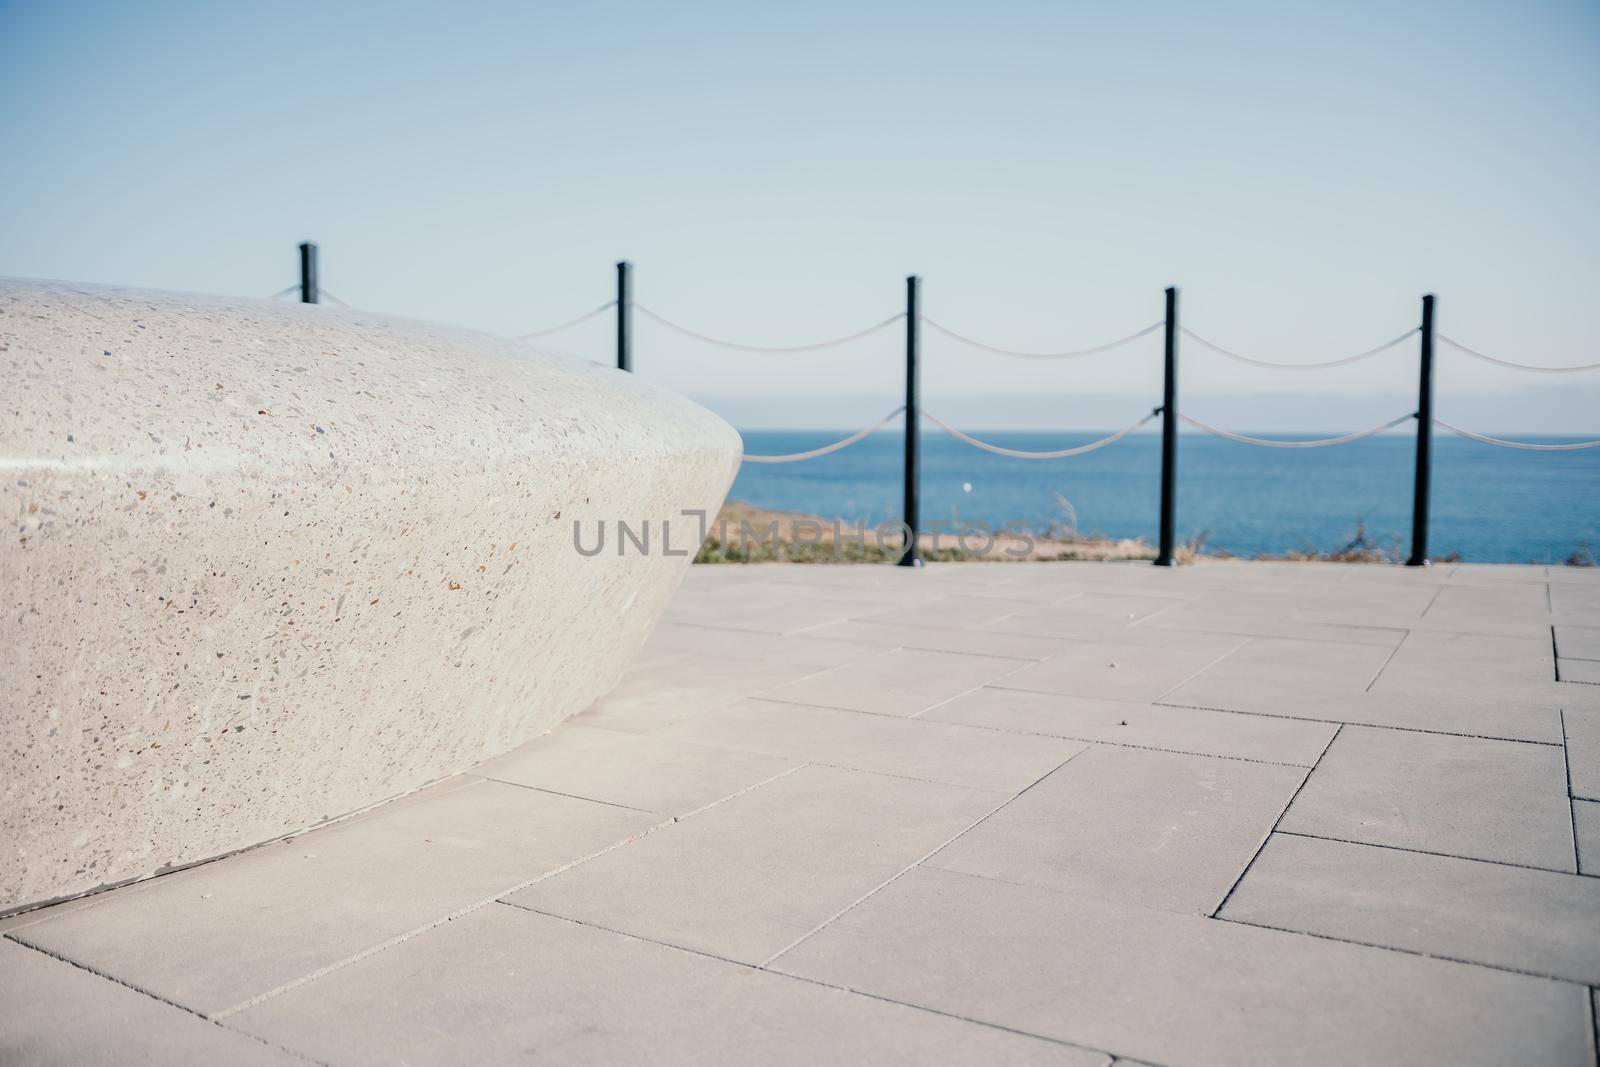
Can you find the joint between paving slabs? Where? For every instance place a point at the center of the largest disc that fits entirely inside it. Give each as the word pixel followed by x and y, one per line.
pixel 1390 657
pixel 887 648
pixel 1022 666
pixel 559 793
pixel 1362 725
pixel 1195 674
pixel 1400 949
pixel 214 1020
pixel 1428 852
pixel 920 860
pixel 1572 815
pixel 468 909
pixel 1275 822
pixel 763 967
pixel 1053 737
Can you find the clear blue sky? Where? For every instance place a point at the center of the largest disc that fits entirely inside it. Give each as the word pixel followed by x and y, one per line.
pixel 1303 171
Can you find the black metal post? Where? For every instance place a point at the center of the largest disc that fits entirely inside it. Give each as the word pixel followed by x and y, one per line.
pixel 308 273
pixel 625 316
pixel 1169 433
pixel 1424 478
pixel 913 467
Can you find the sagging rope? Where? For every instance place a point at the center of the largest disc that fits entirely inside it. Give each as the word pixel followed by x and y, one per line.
pixel 769 349
pixel 1262 442
pixel 845 442
pixel 1015 354
pixel 585 317
pixel 1017 453
pixel 1324 364
pixel 1458 346
pixel 1523 445
pixel 295 288
pixel 330 296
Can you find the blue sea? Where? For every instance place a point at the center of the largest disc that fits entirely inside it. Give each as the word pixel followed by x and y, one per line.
pixel 1490 504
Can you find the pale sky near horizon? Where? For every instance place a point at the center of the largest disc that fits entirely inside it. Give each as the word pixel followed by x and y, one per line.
pixel 1303 172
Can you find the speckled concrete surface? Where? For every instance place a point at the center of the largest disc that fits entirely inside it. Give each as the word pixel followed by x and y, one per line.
pixel 272 563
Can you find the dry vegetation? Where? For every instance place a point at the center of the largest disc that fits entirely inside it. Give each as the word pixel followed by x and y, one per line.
pixel 744 533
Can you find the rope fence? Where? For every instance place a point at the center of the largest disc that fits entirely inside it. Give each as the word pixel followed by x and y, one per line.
pixel 1323 365
pixel 1525 446
pixel 569 324
pixel 1323 442
pixel 1459 347
pixel 826 450
pixel 1017 453
pixel 1069 354
pixel 768 349
pixel 623 306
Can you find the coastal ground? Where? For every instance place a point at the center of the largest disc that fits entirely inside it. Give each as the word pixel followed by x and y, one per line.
pixel 747 533
pixel 1233 813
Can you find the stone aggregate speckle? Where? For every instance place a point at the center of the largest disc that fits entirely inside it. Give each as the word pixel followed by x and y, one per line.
pixel 272 563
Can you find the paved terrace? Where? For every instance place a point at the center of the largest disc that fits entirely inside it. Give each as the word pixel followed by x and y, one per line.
pixel 1055 813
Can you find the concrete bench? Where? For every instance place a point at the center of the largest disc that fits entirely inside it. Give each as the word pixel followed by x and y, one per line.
pixel 272 563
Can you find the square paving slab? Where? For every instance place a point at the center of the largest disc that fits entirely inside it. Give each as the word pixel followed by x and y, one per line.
pixel 1160 829
pixel 1578 642
pixel 1121 722
pixel 1575 603
pixel 215 935
pixel 645 772
pixel 1102 609
pixel 1172 988
pixel 56 1013
pixel 903 681
pixel 809 650
pixel 1224 814
pixel 979 642
pixel 1431 662
pixel 1488 602
pixel 678 687
pixel 569 993
pixel 958 612
pixel 1270 675
pixel 910 748
pixel 1504 801
pixel 771 610
pixel 749 877
pixel 1066 629
pixel 1539 922
pixel 1261 615
pixel 1112 671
